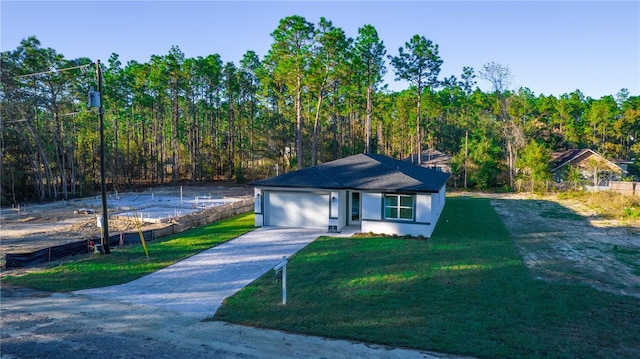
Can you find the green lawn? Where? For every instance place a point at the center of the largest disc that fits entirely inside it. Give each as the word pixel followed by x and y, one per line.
pixel 128 263
pixel 464 291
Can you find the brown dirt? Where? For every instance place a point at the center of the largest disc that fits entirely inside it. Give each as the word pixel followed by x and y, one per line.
pixel 563 240
pixel 36 324
pixel 39 226
pixel 555 242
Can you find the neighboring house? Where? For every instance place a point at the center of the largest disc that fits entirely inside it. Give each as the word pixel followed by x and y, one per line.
pixel 588 162
pixel 376 193
pixel 432 159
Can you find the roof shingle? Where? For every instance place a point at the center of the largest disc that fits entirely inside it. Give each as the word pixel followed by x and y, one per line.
pixel 362 172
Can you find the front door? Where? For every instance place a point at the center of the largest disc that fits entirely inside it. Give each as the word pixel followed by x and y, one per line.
pixel 356 208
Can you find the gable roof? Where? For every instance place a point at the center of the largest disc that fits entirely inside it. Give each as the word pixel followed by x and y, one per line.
pixel 362 172
pixel 430 157
pixel 576 156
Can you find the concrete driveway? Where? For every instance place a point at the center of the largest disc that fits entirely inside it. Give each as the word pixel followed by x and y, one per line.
pixel 197 285
pixel 158 316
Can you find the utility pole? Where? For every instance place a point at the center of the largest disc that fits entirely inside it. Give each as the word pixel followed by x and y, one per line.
pixel 103 184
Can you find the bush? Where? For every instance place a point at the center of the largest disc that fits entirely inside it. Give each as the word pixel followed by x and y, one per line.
pixel 631 213
pixel 240 178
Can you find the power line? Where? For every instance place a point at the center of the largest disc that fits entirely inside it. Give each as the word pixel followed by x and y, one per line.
pixel 56 70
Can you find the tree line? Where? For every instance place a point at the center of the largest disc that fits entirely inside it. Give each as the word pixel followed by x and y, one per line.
pixel 316 96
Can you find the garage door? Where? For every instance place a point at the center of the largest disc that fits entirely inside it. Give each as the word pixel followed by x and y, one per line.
pixel 293 209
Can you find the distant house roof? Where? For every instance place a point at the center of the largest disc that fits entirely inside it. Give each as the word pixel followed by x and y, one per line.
pixel 576 156
pixel 362 172
pixel 430 158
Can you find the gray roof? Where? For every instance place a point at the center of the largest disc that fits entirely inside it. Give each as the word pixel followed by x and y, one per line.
pixel 430 157
pixel 575 156
pixel 362 172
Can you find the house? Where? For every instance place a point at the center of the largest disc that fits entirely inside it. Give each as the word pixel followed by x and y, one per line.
pixel 375 193
pixel 588 162
pixel 432 159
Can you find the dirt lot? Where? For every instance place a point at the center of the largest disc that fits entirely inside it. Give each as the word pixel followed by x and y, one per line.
pixel 71 326
pixel 67 326
pixel 556 244
pixel 38 226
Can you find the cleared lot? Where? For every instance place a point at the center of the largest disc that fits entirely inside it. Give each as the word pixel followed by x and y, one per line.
pixel 565 241
pixel 67 326
pixel 38 226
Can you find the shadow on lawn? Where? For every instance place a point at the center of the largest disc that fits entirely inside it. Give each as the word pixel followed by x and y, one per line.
pixel 558 244
pixel 464 291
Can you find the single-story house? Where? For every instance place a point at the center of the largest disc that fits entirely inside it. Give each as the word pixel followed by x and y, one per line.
pixel 378 194
pixel 587 162
pixel 432 159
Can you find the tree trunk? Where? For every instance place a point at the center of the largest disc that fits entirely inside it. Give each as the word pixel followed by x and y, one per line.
pixel 230 136
pixel 367 126
pixel 316 131
pixel 418 136
pixel 299 121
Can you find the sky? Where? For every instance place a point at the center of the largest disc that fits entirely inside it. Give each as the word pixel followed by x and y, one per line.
pixel 550 47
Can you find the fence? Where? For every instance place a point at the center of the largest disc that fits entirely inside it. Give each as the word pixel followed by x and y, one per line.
pixel 209 215
pixel 626 188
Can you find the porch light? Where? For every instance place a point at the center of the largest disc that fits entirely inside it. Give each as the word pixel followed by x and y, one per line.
pixel 333 199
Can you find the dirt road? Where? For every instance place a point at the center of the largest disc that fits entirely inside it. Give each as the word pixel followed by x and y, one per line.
pixel 67 326
pixel 555 242
pixel 70 326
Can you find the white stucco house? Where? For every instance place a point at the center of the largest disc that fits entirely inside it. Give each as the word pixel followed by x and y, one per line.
pixel 373 192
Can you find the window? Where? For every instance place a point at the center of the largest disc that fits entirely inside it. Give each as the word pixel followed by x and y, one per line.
pixel 398 207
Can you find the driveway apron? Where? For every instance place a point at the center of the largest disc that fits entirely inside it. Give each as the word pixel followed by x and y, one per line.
pixel 197 285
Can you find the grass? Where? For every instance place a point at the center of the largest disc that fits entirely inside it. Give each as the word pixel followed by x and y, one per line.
pixel 125 264
pixel 464 291
pixel 607 204
pixel 630 257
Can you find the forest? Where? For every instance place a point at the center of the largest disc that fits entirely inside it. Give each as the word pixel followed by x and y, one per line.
pixel 316 96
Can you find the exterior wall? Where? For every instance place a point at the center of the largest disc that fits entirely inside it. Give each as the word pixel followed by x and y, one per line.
pixel 423 208
pixel 399 228
pixel 371 206
pixel 428 208
pixel 437 208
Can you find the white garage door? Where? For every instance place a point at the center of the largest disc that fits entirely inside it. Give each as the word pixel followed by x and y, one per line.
pixel 297 209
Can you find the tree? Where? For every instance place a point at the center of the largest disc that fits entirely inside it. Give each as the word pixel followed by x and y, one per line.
pixel 330 58
pixel 420 65
pixel 499 76
pixel 232 90
pixel 249 83
pixel 368 58
pixel 596 167
pixel 570 108
pixel 600 117
pixel 289 59
pixel 534 164
pixel 467 84
pixel 483 162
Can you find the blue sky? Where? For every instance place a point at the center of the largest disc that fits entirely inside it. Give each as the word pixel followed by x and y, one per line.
pixel 551 47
